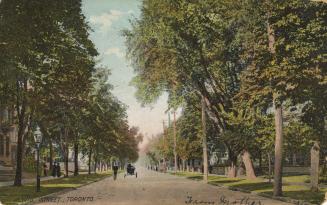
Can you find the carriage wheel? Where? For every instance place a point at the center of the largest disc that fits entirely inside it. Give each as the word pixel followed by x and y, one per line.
pixel 136 175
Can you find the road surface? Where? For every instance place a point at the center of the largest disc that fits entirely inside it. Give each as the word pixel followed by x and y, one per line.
pixel 156 189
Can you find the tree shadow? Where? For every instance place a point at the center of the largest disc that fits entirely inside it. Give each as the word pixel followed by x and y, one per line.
pixel 254 186
pixel 197 178
pixel 225 181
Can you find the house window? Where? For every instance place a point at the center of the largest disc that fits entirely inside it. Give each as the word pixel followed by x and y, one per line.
pixel 2 151
pixel 7 146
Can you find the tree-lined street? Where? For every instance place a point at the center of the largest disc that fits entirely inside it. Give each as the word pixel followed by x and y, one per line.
pixel 221 92
pixel 157 188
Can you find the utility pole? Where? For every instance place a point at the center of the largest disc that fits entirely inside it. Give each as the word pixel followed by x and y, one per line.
pixel 205 146
pixel 175 142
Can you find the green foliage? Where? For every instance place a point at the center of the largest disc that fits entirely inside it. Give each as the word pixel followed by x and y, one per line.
pixel 50 78
pixel 241 57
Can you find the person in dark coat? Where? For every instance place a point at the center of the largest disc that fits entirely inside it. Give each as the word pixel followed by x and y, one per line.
pixel 115 169
pixel 54 170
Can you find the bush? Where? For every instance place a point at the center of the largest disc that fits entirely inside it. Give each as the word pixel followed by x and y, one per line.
pixel 29 164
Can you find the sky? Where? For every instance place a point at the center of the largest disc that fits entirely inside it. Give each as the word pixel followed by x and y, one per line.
pixel 108 18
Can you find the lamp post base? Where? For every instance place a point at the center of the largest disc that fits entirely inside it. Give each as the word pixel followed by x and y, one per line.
pixel 38 183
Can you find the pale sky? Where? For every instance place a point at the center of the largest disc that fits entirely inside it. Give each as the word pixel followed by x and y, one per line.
pixel 107 18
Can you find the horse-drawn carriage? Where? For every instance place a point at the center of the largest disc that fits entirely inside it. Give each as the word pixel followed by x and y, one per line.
pixel 130 170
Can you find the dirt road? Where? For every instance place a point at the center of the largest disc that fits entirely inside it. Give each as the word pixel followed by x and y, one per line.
pixel 155 189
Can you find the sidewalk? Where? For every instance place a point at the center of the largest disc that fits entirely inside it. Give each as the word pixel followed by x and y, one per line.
pixel 31 180
pixel 27 181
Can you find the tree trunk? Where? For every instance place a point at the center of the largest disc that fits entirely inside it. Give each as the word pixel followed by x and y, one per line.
pixel 269 166
pixel 90 156
pixel 95 164
pixel 260 162
pixel 66 151
pixel 96 157
pixel 51 156
pixel 278 151
pixel 66 160
pixel 19 158
pixel 204 142
pixel 164 146
pixel 183 164
pixel 175 144
pixel 324 169
pixel 21 106
pixel 76 159
pixel 250 174
pixel 232 169
pixel 193 165
pixel 278 124
pixel 122 164
pixel 314 172
pixel 294 159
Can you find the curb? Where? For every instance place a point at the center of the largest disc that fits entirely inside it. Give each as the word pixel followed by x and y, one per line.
pixel 32 201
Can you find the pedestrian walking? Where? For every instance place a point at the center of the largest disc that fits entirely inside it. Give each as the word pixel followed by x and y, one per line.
pixel 115 169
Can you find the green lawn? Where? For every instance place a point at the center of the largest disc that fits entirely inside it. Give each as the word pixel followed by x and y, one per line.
pixel 296 179
pixel 259 185
pixel 301 179
pixel 14 195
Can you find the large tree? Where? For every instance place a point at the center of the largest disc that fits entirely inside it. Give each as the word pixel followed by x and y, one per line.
pixel 285 49
pixel 43 42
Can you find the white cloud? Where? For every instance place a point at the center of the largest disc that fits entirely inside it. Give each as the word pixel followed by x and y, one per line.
pixel 105 20
pixel 114 51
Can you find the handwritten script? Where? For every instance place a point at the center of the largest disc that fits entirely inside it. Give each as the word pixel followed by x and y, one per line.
pixel 223 200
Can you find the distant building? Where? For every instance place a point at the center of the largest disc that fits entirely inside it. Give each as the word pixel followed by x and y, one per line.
pixel 8 138
pixel 8 144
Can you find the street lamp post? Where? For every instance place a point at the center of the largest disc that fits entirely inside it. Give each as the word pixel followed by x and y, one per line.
pixel 38 140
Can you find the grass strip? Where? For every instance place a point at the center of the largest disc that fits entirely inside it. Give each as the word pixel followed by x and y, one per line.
pixel 262 187
pixel 14 195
